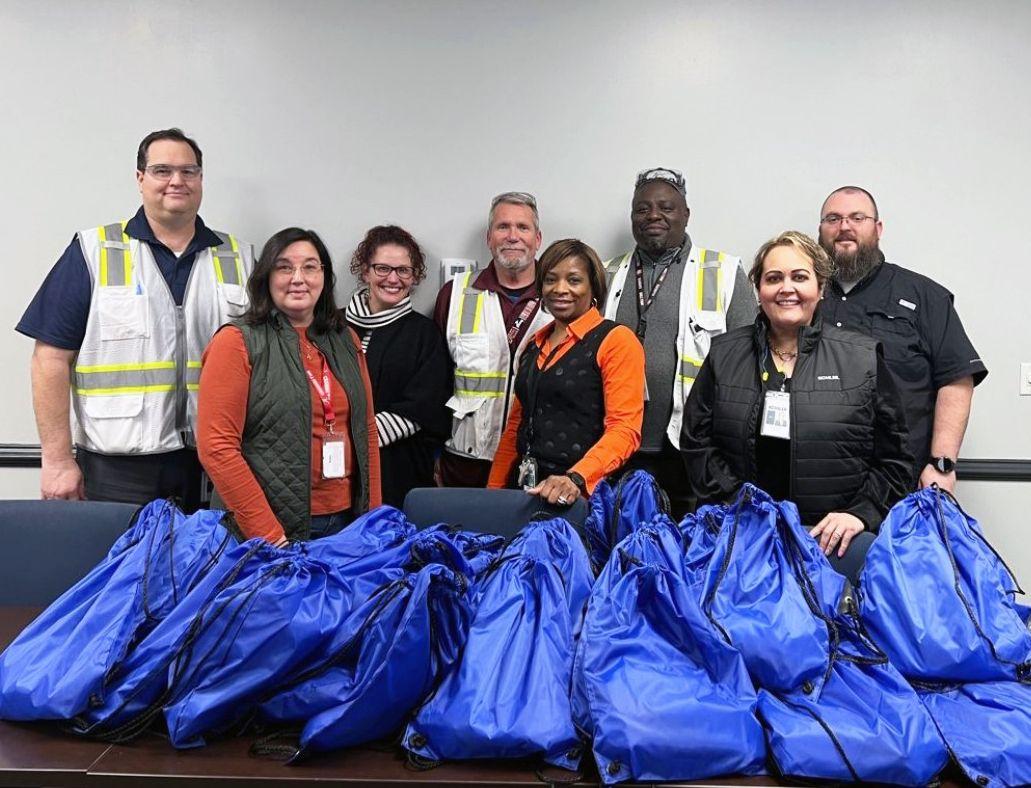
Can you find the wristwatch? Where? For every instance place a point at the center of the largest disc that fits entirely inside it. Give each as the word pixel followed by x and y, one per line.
pixel 578 480
pixel 943 464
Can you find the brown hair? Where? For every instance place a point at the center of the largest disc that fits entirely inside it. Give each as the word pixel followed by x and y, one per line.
pixel 388 234
pixel 572 247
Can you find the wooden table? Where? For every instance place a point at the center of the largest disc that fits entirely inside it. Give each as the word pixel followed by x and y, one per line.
pixel 40 755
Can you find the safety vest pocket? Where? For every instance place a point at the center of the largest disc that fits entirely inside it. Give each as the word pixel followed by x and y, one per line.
pixel 472 352
pixel 234 294
pixel 116 406
pixel 123 313
pixel 470 428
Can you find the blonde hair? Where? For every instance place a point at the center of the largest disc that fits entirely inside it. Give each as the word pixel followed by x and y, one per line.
pixel 823 266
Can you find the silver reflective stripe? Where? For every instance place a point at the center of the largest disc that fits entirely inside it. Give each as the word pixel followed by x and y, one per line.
pixel 480 383
pixel 227 259
pixel 104 380
pixel 470 301
pixel 710 295
pixel 115 256
pixel 689 368
pixel 192 375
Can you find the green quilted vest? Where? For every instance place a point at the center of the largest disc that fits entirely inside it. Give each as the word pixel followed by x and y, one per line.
pixel 277 432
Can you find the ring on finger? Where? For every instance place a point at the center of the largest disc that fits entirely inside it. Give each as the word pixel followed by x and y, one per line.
pixel 562 499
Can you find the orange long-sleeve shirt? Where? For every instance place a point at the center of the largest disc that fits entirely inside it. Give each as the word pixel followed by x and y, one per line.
pixel 621 361
pixel 222 412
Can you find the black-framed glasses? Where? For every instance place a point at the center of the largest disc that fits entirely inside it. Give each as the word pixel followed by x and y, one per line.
pixel 404 272
pixel 164 172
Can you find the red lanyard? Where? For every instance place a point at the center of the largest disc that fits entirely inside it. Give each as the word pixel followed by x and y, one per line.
pixel 513 332
pixel 324 393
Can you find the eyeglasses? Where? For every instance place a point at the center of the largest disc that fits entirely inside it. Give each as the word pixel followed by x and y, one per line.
pixel 404 272
pixel 834 219
pixel 164 172
pixel 308 270
pixel 674 178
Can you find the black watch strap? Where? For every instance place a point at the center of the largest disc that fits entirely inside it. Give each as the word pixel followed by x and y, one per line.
pixel 578 480
pixel 943 464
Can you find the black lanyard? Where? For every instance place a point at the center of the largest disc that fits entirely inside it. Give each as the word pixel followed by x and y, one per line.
pixel 533 381
pixel 643 305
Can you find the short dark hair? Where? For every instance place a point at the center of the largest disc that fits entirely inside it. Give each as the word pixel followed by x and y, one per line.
pixel 853 190
pixel 173 134
pixel 327 317
pixel 573 247
pixel 388 234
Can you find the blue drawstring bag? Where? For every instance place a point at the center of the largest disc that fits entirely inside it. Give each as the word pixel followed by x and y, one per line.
pixel 988 729
pixel 369 686
pixel 939 600
pixel 863 724
pixel 700 531
pixel 508 695
pixel 65 661
pixel 748 591
pixel 860 720
pixel 615 513
pixel 259 630
pixel 664 696
pixel 380 529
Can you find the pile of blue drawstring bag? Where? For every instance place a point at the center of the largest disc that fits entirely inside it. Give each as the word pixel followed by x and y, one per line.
pixel 651 650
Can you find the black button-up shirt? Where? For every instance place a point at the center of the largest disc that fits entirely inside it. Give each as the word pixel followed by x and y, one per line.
pixel 924 343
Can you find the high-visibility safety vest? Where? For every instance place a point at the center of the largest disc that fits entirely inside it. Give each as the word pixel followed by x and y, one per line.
pixel 705 292
pixel 135 380
pixel 484 367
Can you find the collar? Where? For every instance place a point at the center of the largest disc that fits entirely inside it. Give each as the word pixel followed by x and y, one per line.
pixel 808 336
pixel 579 328
pixel 139 228
pixel 487 279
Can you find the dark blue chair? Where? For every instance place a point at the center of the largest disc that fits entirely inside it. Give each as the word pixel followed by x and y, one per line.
pixel 48 546
pixel 502 512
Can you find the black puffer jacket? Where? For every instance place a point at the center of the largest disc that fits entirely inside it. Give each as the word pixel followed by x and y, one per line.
pixel 848 434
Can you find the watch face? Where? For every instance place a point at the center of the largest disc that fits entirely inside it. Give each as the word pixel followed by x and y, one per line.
pixel 944 464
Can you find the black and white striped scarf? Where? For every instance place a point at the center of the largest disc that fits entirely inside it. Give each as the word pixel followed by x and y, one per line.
pixel 391 427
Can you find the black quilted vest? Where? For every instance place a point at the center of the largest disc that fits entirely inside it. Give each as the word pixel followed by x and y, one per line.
pixel 833 389
pixel 277 432
pixel 564 405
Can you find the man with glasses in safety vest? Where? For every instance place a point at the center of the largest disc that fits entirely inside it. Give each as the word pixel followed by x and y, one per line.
pixel 488 320
pixel 677 297
pixel 934 363
pixel 121 320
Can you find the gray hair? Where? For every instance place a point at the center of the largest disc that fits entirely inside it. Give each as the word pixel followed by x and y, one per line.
pixel 515 198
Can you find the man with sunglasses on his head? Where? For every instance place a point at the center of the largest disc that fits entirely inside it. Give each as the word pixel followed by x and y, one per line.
pixel 488 320
pixel 925 347
pixel 677 297
pixel 121 320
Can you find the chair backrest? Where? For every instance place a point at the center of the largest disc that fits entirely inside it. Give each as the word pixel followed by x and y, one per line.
pixel 502 512
pixel 49 545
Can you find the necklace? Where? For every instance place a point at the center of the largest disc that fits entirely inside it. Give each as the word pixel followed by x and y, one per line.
pixel 784 355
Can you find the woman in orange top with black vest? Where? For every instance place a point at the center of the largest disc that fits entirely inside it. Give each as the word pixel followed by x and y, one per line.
pixel 579 390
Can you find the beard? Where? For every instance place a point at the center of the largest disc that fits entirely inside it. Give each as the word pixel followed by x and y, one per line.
pixel 513 263
pixel 854 265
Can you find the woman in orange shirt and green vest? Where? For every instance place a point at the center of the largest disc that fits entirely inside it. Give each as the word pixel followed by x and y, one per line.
pixel 285 425
pixel 579 389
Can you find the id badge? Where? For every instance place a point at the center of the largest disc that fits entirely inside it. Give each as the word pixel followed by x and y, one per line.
pixel 334 454
pixel 527 473
pixel 776 421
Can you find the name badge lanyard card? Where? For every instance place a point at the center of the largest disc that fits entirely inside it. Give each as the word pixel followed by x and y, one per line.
pixel 528 470
pixel 643 304
pixel 524 316
pixel 776 418
pixel 334 456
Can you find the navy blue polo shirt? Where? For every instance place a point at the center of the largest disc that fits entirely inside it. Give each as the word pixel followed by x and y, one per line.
pixel 925 345
pixel 60 309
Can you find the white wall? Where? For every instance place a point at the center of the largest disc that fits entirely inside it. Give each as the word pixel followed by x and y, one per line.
pixel 340 115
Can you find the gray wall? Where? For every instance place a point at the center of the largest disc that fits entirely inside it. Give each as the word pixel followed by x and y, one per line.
pixel 340 115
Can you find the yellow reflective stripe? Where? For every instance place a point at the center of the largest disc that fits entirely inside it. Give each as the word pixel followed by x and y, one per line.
pixel 128 367
pixel 710 278
pixel 239 263
pixel 193 364
pixel 484 394
pixel 689 366
pixel 124 390
pixel 193 386
pixel 102 233
pixel 478 315
pixel 126 255
pixel 105 259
